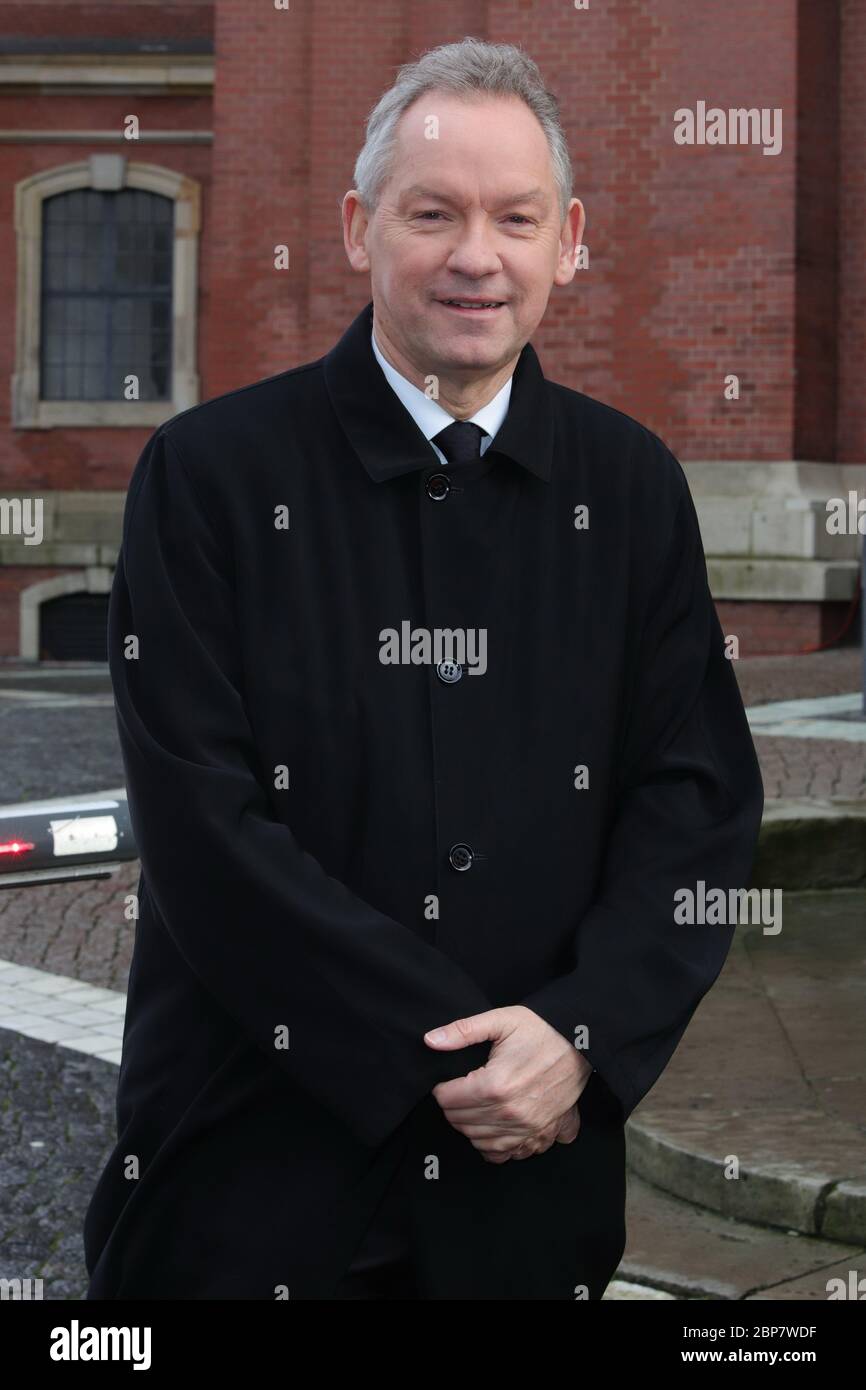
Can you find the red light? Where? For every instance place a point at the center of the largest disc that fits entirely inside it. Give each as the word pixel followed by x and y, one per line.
pixel 15 846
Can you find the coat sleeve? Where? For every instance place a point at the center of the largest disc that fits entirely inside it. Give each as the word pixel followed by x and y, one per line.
pixel 687 806
pixel 272 937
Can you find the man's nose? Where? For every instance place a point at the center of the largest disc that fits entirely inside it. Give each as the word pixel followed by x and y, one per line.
pixel 474 252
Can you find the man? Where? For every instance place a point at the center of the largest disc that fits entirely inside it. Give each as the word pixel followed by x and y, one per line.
pixel 425 716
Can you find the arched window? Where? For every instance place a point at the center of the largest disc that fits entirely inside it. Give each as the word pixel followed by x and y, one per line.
pixel 107 284
pixel 74 627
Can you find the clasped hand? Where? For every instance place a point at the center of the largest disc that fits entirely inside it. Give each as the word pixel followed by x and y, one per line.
pixel 524 1099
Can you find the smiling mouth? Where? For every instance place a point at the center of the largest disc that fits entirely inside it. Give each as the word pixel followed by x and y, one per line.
pixel 472 306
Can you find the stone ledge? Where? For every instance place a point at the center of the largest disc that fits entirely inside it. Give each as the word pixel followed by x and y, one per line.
pixel 758 1115
pixel 811 843
pixel 781 581
pixel 764 528
pixel 680 1156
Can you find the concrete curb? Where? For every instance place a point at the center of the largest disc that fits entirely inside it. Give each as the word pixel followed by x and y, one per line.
pixel 770 1194
pixel 811 844
pixel 682 1138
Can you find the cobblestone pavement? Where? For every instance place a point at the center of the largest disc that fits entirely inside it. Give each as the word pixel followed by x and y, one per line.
pixel 57 732
pixel 56 1128
pixel 75 929
pixel 812 768
pixel 766 678
pixel 794 767
pixel 57 1106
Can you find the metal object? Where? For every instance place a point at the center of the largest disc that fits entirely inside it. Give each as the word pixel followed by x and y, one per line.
pixel 65 838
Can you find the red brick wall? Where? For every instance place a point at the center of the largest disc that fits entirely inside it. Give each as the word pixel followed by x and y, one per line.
pixel 692 248
pixel 769 629
pixel 817 213
pixel 89 458
pixel 851 234
pixel 151 19
pixel 704 260
pixel 262 194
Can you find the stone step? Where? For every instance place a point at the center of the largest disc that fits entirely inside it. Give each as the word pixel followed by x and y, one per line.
pixel 761 1113
pixel 677 1250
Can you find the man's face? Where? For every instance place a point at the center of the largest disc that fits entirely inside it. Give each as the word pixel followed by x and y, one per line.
pixel 472 214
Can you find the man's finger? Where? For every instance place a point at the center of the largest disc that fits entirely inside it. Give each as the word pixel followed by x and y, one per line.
pixel 463 1031
pixel 569 1126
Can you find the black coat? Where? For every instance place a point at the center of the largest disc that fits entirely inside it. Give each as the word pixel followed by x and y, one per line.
pixel 296 801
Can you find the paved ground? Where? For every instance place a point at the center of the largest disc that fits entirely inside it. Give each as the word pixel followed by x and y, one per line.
pixel 793 767
pixel 760 1115
pixel 56 1123
pixel 56 1104
pixel 57 733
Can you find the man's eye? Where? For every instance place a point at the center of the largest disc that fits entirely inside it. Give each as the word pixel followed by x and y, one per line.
pixel 434 212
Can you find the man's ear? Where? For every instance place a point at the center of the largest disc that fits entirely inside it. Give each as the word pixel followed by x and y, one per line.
pixel 570 240
pixel 355 223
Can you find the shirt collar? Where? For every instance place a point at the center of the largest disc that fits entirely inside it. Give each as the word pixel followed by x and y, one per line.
pixel 383 431
pixel 429 415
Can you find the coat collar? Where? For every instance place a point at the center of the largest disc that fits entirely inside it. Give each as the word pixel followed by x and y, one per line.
pixel 387 439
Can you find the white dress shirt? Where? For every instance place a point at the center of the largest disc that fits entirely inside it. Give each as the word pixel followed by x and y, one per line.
pixel 429 415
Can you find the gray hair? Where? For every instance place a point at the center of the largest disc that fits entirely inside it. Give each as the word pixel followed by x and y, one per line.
pixel 466 68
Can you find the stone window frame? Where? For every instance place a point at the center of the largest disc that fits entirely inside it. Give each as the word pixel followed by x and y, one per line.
pixel 106 172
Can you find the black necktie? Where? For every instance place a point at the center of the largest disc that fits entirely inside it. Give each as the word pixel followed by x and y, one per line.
pixel 460 442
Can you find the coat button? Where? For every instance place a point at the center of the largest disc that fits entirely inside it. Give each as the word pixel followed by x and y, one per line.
pixel 460 857
pixel 449 671
pixel 438 486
